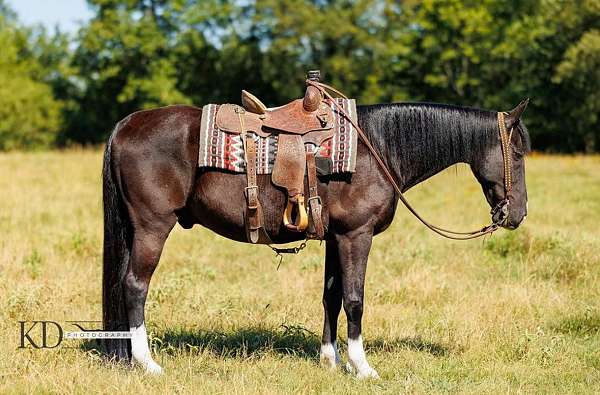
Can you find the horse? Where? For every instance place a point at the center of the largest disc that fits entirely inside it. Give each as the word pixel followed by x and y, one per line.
pixel 151 181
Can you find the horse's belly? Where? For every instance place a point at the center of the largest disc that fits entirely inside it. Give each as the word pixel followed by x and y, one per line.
pixel 219 204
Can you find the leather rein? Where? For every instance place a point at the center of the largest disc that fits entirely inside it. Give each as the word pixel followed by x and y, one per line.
pixel 502 207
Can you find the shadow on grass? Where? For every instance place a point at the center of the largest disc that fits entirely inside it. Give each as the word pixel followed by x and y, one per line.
pixel 580 325
pixel 286 340
pixel 414 343
pixel 90 345
pixel 245 342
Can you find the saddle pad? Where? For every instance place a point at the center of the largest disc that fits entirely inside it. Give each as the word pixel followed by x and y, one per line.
pixel 222 150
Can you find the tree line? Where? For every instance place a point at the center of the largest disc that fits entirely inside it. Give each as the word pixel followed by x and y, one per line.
pixel 58 89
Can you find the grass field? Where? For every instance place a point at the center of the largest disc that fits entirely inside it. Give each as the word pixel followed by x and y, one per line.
pixel 517 313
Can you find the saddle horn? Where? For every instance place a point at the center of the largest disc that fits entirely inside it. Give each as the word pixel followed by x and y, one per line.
pixel 313 96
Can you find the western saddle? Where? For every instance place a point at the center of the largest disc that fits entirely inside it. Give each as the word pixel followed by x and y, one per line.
pixel 301 126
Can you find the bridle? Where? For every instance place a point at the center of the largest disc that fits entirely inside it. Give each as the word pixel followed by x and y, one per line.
pixel 505 139
pixel 502 207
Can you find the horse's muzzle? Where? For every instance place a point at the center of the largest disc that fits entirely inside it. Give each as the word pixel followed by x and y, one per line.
pixel 500 213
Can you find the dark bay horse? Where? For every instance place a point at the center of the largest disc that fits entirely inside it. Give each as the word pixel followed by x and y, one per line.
pixel 151 181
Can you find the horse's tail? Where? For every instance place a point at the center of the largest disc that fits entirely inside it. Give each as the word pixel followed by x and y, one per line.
pixel 117 249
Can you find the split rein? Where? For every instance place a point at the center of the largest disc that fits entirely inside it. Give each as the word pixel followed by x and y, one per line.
pixel 502 207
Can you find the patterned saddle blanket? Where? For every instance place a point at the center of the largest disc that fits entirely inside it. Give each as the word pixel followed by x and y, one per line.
pixel 223 150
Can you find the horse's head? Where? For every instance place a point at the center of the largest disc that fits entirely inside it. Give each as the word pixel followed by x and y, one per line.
pixel 503 178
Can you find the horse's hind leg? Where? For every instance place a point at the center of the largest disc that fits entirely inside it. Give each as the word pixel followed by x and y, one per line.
pixel 332 305
pixel 148 242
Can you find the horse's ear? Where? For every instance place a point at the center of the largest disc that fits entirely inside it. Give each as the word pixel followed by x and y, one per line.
pixel 514 115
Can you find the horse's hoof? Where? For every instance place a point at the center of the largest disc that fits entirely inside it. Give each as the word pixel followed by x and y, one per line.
pixel 369 373
pixel 149 366
pixel 153 368
pixel 330 358
pixel 366 372
pixel 328 364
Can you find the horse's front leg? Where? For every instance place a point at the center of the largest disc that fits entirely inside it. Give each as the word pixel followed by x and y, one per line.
pixel 332 304
pixel 353 249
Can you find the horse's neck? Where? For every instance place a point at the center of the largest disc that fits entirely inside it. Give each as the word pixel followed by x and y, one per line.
pixel 413 173
pixel 420 140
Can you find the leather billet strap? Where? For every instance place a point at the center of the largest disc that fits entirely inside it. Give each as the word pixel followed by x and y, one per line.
pixel 314 200
pixel 253 207
pixel 505 143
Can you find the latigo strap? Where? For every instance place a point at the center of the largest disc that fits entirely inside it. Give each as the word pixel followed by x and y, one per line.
pixel 254 220
pixel 315 205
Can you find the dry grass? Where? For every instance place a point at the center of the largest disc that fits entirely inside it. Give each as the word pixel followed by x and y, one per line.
pixel 519 312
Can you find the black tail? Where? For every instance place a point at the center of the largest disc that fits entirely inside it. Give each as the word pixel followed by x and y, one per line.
pixel 117 248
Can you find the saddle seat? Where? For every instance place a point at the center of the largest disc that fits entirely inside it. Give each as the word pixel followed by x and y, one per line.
pixel 301 127
pixel 297 117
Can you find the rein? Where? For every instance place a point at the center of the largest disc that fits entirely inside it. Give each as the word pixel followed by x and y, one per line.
pixel 502 206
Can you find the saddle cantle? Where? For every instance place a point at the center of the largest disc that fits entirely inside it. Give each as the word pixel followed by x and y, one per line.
pixel 252 103
pixel 301 126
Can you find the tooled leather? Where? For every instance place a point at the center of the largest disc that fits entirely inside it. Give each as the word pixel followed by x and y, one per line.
pixel 312 99
pixel 316 227
pixel 317 137
pixel 290 118
pixel 228 120
pixel 303 121
pixel 293 118
pixel 290 164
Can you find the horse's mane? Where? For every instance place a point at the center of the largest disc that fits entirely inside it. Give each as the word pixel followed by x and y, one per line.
pixel 430 135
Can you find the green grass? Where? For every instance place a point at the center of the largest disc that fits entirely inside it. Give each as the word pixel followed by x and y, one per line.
pixel 517 312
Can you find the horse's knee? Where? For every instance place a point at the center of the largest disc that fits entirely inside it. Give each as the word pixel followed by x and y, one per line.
pixel 353 306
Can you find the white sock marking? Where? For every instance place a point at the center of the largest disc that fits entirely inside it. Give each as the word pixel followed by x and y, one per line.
pixel 358 360
pixel 330 356
pixel 140 350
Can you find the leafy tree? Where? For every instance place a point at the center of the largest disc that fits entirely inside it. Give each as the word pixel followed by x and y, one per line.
pixel 580 72
pixel 494 53
pixel 137 54
pixel 538 44
pixel 125 63
pixel 29 113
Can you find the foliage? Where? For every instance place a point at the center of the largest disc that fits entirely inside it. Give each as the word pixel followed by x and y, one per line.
pixel 136 54
pixel 580 72
pixel 124 63
pixel 29 113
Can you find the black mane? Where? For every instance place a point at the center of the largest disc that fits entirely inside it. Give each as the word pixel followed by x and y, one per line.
pixel 427 137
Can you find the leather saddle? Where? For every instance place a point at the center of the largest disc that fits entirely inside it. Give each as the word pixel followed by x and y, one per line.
pixel 301 127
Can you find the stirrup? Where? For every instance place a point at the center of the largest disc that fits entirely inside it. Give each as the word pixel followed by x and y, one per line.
pixel 301 218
